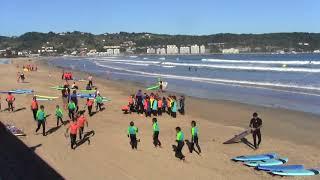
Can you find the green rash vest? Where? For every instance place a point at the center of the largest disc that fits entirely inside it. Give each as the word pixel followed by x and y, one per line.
pixel 180 136
pixel 132 130
pixel 59 112
pixel 72 106
pixel 99 99
pixel 194 131
pixel 155 127
pixel 41 115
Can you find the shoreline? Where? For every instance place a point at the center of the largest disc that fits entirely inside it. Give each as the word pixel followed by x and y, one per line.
pixel 291 134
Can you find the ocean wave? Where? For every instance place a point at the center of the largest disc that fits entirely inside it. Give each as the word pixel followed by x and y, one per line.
pixel 262 62
pixel 247 68
pixel 129 61
pixel 168 66
pixel 269 85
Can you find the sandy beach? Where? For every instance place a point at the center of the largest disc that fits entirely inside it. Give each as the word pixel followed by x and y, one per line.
pixel 109 156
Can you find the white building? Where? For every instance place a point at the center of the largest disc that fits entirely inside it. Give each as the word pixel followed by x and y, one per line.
pixel 110 51
pixel 116 51
pixel 172 49
pixel 184 50
pixel 151 51
pixel 195 49
pixel 161 51
pixel 202 49
pixel 230 51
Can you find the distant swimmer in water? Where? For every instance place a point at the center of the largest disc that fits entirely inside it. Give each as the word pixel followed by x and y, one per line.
pixel 189 68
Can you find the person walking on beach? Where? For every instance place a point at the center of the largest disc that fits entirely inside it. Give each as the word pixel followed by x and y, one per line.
pixel 181 103
pixel 81 120
pixel 194 137
pixel 34 107
pixel 99 103
pixel 180 141
pixel 41 118
pixel 90 81
pixel 139 100
pixel 256 125
pixel 59 115
pixel 89 105
pixel 10 100
pixel 65 96
pixel 74 98
pixel 174 107
pixel 132 134
pixel 156 130
pixel 73 133
pixel 71 108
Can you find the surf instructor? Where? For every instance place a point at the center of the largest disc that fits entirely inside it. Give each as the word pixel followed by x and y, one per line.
pixel 256 124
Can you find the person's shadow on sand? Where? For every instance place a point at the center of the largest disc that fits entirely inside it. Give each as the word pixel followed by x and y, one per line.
pixel 20 109
pixel 190 147
pixel 52 130
pixel 33 148
pixel 249 144
pixel 86 138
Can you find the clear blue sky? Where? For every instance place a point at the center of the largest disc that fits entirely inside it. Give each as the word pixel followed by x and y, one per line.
pixel 160 16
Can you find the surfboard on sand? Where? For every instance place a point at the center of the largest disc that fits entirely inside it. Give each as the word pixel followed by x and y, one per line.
pixel 237 138
pixel 14 130
pixel 46 97
pixel 298 172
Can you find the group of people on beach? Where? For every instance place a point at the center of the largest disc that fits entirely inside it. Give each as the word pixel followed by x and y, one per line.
pixel 154 105
pixel 180 138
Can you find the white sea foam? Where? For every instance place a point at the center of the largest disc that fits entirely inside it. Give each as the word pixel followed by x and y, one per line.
pixel 215 80
pixel 262 62
pixel 129 61
pixel 247 68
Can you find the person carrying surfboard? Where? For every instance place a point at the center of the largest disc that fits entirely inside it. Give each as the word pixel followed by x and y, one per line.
pixel 180 141
pixel 132 134
pixel 59 115
pixel 10 100
pixel 156 130
pixel 256 124
pixel 194 137
pixel 41 118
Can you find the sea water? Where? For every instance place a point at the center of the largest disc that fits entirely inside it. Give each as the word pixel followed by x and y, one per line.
pixel 288 80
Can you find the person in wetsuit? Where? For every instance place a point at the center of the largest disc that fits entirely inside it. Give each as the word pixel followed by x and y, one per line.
pixel 256 124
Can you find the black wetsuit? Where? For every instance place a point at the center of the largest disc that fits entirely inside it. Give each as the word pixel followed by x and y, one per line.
pixel 256 123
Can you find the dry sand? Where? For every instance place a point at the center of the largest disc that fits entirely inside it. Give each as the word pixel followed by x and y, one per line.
pixel 289 133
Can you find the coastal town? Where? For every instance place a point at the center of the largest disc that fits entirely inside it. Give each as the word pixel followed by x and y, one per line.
pixel 86 44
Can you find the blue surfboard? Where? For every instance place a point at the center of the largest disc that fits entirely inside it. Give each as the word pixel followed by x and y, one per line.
pixel 258 157
pixel 280 167
pixel 268 162
pixel 300 172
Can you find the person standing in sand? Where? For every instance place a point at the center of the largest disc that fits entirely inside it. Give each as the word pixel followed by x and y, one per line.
pixel 256 124
pixel 34 107
pixel 10 99
pixel 90 81
pixel 71 108
pixel 59 115
pixel 180 141
pixel 41 118
pixel 132 134
pixel 156 130
pixel 194 137
pixel 89 105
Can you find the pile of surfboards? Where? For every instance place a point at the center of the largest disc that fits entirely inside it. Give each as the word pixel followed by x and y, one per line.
pixel 18 91
pixel 275 165
pixel 14 130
